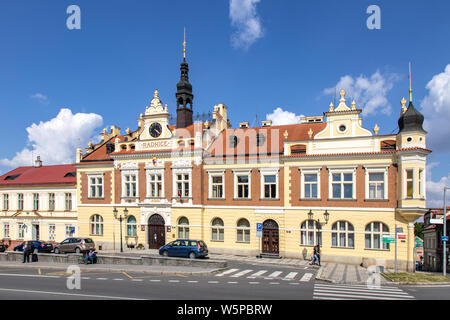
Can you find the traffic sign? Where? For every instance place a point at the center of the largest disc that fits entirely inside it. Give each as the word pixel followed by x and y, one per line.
pixel 444 238
pixel 259 227
pixel 436 221
pixel 402 236
pixel 399 230
pixel 388 239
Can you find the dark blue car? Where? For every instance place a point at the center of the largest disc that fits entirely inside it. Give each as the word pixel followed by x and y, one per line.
pixel 39 245
pixel 184 248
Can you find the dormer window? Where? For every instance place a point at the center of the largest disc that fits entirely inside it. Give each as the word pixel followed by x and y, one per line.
pixel 233 141
pixel 260 139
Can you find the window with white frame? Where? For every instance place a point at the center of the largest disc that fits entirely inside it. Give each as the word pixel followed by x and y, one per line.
pixel 242 185
pixel 409 183
pixel 130 185
pixel 6 230
pixel 342 184
pixel 155 185
pixel 342 235
pixel 35 201
pixel 183 185
pixel 21 230
pixel 69 230
pixel 131 226
pixel 216 185
pixel 270 186
pixel 376 183
pixel 243 231
pixel 20 201
pixel 51 201
pixel 51 232
pixel 374 236
pixel 310 233
pixel 5 201
pixel 310 183
pixel 68 201
pixel 421 183
pixel 96 186
pixel 183 228
pixel 217 230
pixel 96 223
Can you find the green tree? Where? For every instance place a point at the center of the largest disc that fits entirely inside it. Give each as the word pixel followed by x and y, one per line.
pixel 418 230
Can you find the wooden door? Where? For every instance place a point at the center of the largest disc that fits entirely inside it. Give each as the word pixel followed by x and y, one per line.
pixel 270 237
pixel 156 232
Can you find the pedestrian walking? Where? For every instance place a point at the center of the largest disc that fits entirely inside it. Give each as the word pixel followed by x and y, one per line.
pixel 26 251
pixel 314 257
pixel 318 254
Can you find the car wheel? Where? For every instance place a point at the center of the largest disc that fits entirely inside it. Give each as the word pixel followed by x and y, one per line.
pixel 192 255
pixel 77 251
pixel 165 253
pixel 57 251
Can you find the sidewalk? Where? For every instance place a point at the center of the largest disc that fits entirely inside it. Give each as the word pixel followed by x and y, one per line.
pixel 345 274
pixel 159 270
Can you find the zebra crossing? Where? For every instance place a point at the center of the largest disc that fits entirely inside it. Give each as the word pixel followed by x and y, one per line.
pixel 266 275
pixel 358 292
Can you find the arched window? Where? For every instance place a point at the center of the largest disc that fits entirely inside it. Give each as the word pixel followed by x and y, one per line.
pixel 243 231
pixel 217 233
pixel 131 226
pixel 183 228
pixel 343 235
pixel 310 233
pixel 96 225
pixel 374 232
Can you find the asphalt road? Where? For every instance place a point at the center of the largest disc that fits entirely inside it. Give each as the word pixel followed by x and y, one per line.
pixel 242 281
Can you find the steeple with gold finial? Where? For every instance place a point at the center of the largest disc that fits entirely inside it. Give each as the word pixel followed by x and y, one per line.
pixel 184 94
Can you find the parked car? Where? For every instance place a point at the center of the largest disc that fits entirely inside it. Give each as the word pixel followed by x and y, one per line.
pixel 42 247
pixel 184 248
pixel 77 245
pixel 3 247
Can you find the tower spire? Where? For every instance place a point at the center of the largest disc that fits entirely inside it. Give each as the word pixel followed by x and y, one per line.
pixel 184 94
pixel 184 44
pixel 410 83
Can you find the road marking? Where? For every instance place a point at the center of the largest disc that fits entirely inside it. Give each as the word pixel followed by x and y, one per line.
pixel 226 272
pixel 155 280
pixel 363 288
pixel 101 278
pixel 240 274
pixel 306 277
pixel 399 291
pixel 253 282
pixel 274 283
pixel 325 291
pixel 137 280
pixel 85 278
pixel 193 281
pixel 117 279
pixel 174 280
pixel 213 281
pixel 290 276
pixel 274 274
pixel 257 274
pixel 233 282
pixel 70 294
pixel 27 275
pixel 126 274
pixel 294 283
pixel 361 296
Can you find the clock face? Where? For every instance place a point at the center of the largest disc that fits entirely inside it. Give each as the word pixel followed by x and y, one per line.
pixel 155 130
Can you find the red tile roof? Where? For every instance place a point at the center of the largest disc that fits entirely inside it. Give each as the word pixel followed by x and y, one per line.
pixel 39 176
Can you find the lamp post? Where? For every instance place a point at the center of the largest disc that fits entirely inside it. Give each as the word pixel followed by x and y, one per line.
pixel 120 218
pixel 444 251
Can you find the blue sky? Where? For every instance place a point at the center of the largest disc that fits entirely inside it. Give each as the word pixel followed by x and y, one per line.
pixel 110 68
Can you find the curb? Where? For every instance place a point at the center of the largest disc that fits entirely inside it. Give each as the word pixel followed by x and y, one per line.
pixel 198 273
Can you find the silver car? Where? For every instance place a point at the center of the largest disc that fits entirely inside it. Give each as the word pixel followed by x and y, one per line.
pixel 76 245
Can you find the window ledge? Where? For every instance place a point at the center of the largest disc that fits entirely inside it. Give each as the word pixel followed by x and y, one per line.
pixel 242 199
pixel 350 248
pixel 269 199
pixel 385 250
pixel 310 199
pixel 155 198
pixel 96 198
pixel 95 235
pixel 216 199
pixel 339 199
pixel 217 240
pixel 245 242
pixel 376 200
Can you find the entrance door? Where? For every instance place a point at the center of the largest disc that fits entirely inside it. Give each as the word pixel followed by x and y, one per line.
pixel 156 232
pixel 270 237
pixel 35 232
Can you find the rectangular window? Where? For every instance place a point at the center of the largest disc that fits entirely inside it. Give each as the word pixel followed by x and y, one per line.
pixel 376 185
pixel 421 183
pixel 409 183
pixel 95 187
pixel 20 201
pixel 155 185
pixel 68 231
pixel 21 230
pixel 342 185
pixel 35 201
pixel 5 201
pixel 6 230
pixel 270 187
pixel 216 187
pixel 51 201
pixel 243 187
pixel 182 181
pixel 68 198
pixel 51 232
pixel 310 186
pixel 130 186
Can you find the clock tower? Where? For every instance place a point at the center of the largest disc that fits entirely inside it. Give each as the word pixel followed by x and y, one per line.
pixel 184 94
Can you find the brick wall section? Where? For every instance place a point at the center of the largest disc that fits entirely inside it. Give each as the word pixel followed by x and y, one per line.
pixel 118 185
pixel 107 194
pixel 142 182
pixel 168 181
pixel 360 191
pixel 197 186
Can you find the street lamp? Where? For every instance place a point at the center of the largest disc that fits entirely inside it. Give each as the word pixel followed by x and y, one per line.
pixel 310 215
pixel 327 216
pixel 120 218
pixel 445 233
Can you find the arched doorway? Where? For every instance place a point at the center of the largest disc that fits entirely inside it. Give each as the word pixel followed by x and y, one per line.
pixel 270 237
pixel 156 232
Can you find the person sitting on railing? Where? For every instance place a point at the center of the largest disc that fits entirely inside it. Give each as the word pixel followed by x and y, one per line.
pixel 90 257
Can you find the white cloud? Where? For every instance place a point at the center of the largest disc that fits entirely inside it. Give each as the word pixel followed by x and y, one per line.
pixel 436 109
pixel 56 140
pixel 368 92
pixel 40 97
pixel 246 22
pixel 281 117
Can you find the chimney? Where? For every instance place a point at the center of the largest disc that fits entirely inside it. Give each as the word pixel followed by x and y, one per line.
pixel 267 123
pixel 243 125
pixel 38 162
